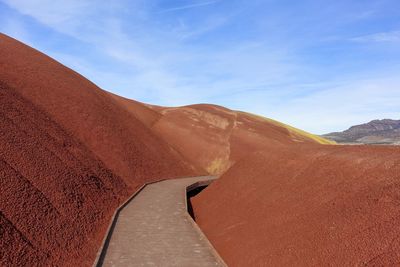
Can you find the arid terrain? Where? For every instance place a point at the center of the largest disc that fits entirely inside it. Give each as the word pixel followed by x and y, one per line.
pixel 376 132
pixel 70 153
pixel 306 205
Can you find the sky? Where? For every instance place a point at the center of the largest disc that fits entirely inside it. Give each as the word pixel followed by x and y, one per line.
pixel 321 66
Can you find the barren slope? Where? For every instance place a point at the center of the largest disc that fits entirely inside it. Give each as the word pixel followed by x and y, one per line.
pixel 306 205
pixel 69 154
pixel 214 137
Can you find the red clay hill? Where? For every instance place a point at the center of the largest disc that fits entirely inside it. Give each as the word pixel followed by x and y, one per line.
pixel 214 138
pixel 70 153
pixel 306 205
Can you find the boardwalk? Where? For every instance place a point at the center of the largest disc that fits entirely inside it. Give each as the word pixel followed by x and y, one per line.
pixel 155 230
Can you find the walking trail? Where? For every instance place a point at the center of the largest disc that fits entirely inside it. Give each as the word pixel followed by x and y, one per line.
pixel 154 229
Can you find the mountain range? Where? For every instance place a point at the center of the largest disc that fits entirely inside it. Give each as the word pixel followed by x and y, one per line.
pixel 384 131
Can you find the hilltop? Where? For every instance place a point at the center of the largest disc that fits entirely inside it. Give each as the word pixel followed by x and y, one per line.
pixel 384 131
pixel 70 153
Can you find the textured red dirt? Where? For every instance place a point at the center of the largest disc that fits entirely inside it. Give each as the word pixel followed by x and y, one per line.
pixel 214 137
pixel 69 154
pixel 306 205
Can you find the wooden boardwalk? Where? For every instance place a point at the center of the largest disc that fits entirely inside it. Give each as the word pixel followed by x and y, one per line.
pixel 154 229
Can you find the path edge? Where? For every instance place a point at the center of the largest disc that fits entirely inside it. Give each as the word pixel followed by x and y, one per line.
pixel 193 222
pixel 107 237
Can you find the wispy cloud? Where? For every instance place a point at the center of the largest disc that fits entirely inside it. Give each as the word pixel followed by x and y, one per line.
pixel 15 28
pixel 196 5
pixel 208 26
pixel 391 36
pixel 261 56
pixel 337 106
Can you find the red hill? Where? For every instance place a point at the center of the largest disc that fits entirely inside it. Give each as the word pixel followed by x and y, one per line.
pixel 307 205
pixel 70 153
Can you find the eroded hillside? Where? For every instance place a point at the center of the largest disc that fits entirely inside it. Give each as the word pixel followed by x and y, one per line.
pixel 71 153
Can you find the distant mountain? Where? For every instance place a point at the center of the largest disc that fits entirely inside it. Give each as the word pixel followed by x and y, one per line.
pixel 384 131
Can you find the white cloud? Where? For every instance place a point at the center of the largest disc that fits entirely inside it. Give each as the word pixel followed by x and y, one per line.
pixel 338 107
pixel 56 14
pixel 391 36
pixel 208 26
pixel 14 28
pixel 190 6
pixel 149 60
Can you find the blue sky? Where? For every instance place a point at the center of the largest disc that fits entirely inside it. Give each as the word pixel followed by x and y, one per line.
pixel 318 65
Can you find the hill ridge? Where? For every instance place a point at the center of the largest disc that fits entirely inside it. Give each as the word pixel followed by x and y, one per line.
pixel 384 131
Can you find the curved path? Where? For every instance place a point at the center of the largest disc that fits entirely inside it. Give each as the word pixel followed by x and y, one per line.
pixel 154 229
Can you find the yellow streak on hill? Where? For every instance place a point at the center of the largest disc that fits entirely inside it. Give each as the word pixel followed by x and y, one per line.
pixel 294 131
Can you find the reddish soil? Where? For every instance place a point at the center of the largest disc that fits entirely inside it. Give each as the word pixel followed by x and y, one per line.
pixel 214 138
pixel 70 153
pixel 306 205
